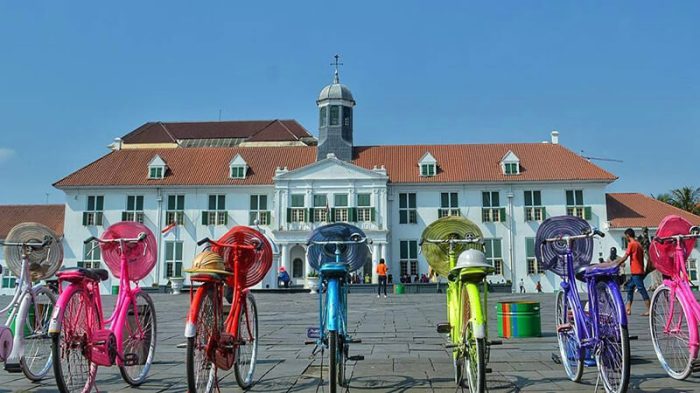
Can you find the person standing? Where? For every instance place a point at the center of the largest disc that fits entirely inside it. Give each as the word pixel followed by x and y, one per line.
pixel 538 287
pixel 522 286
pixel 381 275
pixel 635 252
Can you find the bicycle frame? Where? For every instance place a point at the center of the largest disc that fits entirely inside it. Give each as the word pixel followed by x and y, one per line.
pixel 478 315
pixel 333 317
pixel 587 327
pixel 678 285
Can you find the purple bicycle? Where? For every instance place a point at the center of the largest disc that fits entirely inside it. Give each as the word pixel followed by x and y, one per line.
pixel 566 248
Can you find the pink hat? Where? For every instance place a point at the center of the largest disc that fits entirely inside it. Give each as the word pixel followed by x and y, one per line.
pixel 282 269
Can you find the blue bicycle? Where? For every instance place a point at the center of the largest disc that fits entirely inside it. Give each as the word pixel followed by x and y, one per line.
pixel 600 333
pixel 335 250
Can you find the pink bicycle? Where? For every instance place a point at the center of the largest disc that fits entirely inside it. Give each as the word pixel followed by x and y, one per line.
pixel 82 340
pixel 675 313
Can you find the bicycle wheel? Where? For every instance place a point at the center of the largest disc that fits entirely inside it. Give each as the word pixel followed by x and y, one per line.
pixel 613 356
pixel 342 354
pixel 333 352
pixel 139 339
pixel 474 363
pixel 247 347
pixel 201 372
pixel 671 345
pixel 36 360
pixel 73 371
pixel 569 347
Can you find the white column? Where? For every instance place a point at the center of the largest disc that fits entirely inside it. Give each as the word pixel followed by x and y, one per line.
pixel 375 262
pixel 284 260
pixel 382 253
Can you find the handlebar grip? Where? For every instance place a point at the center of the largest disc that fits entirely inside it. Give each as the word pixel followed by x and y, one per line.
pixel 258 244
pixel 205 240
pixel 142 236
pixel 599 233
pixel 89 240
pixel 695 230
pixel 658 239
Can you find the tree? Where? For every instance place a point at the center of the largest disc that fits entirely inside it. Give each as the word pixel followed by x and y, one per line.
pixel 665 197
pixel 687 198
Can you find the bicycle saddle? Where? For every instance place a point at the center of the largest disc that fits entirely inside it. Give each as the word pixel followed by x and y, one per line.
pixel 598 269
pixel 92 274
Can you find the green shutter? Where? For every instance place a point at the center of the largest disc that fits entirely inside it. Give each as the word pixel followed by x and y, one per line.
pixel 311 214
pixel 98 218
pixel 530 247
pixel 85 215
pixel 587 213
pixel 544 213
pixel 306 215
pixel 352 214
pixel 205 218
pixel 123 216
pixel 267 217
pixel 373 214
pixel 289 214
pixel 502 214
pixel 332 217
pixel 225 213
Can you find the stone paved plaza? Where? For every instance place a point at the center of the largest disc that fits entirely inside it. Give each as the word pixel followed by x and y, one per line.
pixel 401 348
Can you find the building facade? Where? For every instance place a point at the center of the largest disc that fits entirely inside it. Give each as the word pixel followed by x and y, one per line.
pixel 195 182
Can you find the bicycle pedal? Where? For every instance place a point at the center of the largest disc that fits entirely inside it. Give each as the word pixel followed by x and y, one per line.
pixel 309 342
pixel 633 338
pixel 444 327
pixel 495 342
pixel 131 359
pixel 313 332
pixel 181 346
pixel 356 358
pixel 451 346
pixel 354 341
pixel 13 368
pixel 488 370
pixel 564 327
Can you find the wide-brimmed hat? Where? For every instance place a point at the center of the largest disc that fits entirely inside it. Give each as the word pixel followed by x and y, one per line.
pixel 208 262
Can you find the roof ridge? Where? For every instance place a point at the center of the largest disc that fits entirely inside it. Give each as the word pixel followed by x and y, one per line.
pixel 168 132
pixel 287 128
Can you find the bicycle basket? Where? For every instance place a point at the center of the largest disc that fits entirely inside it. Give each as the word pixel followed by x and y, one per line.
pixel 451 227
pixel 43 261
pixel 141 257
pixel 663 254
pixel 253 264
pixel 552 255
pixel 355 255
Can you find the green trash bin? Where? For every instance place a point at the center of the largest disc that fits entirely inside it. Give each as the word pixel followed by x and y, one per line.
pixel 519 319
pixel 399 289
pixel 115 289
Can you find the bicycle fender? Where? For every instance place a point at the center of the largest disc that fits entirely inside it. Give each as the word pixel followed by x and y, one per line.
pixel 333 297
pixel 57 314
pixel 615 290
pixel 478 323
pixel 18 340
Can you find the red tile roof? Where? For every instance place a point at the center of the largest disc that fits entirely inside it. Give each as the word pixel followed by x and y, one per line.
pixel 49 215
pixel 632 210
pixel 256 130
pixel 456 163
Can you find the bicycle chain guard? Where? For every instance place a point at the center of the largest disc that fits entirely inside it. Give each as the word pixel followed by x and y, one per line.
pixel 5 343
pixel 224 351
pixel 102 349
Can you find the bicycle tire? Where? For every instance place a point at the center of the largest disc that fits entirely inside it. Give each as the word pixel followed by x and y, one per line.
pixel 474 362
pixel 613 358
pixel 671 349
pixel 333 364
pixel 342 361
pixel 569 347
pixel 37 343
pixel 74 324
pixel 143 348
pixel 244 377
pixel 201 371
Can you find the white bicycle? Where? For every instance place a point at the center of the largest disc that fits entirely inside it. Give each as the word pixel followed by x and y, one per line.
pixel 33 252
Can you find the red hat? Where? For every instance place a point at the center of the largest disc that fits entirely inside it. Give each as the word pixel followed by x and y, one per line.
pixel 282 269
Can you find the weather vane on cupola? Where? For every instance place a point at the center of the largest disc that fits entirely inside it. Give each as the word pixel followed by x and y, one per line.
pixel 336 64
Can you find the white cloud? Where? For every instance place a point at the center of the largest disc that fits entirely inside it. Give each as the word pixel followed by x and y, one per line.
pixel 6 154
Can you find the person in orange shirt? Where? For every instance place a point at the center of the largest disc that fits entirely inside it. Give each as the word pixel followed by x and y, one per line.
pixel 635 253
pixel 381 273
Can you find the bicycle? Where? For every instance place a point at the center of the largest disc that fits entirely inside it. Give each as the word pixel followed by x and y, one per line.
pixel 566 248
pixel 674 311
pixel 82 339
pixel 334 250
pixel 33 252
pixel 240 259
pixel 442 241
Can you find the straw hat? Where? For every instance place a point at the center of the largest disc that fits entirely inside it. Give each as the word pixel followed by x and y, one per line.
pixel 208 262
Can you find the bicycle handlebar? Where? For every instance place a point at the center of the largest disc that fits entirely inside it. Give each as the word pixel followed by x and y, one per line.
pixel 257 244
pixel 141 237
pixel 47 240
pixel 451 241
pixel 694 234
pixel 355 238
pixel 591 233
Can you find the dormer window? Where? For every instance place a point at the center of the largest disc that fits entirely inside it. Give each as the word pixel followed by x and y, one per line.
pixel 238 167
pixel 156 168
pixel 510 164
pixel 427 165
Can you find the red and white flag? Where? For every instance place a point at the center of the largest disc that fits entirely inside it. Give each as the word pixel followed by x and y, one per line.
pixel 168 228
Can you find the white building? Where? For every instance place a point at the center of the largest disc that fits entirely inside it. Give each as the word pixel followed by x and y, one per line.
pixel 208 177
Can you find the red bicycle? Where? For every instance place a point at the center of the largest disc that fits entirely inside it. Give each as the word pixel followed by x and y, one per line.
pixel 240 259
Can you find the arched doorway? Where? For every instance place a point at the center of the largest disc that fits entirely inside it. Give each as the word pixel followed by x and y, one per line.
pixel 297 265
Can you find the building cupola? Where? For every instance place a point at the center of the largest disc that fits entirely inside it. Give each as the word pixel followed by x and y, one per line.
pixel 335 103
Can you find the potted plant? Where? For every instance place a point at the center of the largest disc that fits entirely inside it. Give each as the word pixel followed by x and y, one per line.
pixel 176 284
pixel 312 281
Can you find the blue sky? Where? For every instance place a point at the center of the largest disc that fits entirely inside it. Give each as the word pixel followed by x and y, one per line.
pixel 617 79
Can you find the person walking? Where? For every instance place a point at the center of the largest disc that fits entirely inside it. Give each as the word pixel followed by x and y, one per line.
pixel 381 275
pixel 522 286
pixel 538 287
pixel 635 253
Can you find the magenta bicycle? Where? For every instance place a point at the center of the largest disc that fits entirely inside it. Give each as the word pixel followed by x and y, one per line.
pixel 675 313
pixel 81 339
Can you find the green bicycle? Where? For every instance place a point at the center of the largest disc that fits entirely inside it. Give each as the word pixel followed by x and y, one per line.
pixel 454 247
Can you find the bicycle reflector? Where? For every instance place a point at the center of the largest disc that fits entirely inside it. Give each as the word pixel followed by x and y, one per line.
pixel 451 227
pixel 43 261
pixel 355 255
pixel 253 264
pixel 552 255
pixel 140 256
pixel 662 254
